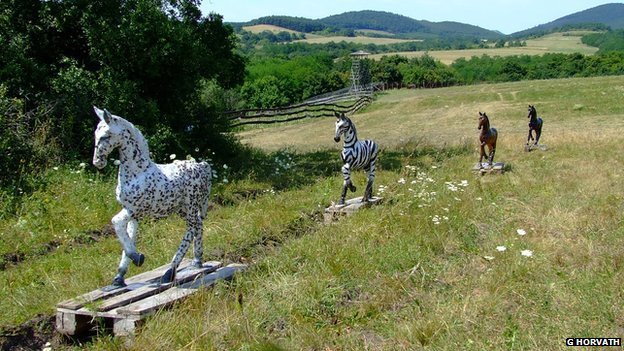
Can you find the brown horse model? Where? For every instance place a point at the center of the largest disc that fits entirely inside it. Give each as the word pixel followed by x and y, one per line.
pixel 487 137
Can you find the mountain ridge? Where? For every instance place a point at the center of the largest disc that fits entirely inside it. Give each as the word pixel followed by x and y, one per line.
pixel 607 15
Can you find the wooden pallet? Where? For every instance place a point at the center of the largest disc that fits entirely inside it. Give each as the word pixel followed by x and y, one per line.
pixel 127 307
pixel 350 206
pixel 498 167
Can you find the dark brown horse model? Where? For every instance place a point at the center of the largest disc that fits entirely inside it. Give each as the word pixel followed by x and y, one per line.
pixel 535 124
pixel 487 137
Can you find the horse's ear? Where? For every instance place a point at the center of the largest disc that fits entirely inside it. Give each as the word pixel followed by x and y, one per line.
pixel 339 115
pixel 103 115
pixel 107 116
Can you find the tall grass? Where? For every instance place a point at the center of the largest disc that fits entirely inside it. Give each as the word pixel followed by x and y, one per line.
pixel 421 270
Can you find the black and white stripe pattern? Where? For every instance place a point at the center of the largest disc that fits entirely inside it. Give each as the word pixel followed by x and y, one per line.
pixel 355 155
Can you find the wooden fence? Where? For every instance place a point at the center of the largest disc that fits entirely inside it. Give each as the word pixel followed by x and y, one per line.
pixel 343 101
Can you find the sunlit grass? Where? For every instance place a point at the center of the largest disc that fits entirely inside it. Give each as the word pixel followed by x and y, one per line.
pixel 564 43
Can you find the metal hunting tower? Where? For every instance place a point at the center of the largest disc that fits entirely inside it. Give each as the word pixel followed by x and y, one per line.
pixel 356 71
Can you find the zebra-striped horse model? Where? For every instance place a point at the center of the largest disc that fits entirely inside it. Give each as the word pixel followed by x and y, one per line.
pixel 355 155
pixel 146 189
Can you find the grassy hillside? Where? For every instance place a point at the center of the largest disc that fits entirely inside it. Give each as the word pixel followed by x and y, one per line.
pixel 422 270
pixel 569 42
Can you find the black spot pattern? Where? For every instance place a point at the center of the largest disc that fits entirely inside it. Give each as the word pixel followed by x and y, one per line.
pixel 147 189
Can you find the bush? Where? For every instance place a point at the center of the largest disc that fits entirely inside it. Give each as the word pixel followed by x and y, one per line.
pixel 28 147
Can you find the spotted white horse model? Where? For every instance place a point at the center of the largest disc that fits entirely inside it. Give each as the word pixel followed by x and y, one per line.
pixel 147 189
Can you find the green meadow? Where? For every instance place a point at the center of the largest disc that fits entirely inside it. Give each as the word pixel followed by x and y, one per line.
pixel 451 260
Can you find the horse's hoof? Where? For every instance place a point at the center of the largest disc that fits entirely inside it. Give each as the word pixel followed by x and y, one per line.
pixel 168 277
pixel 197 263
pixel 118 281
pixel 137 258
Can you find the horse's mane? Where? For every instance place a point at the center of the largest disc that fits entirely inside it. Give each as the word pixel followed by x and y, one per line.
pixel 486 124
pixel 351 124
pixel 135 132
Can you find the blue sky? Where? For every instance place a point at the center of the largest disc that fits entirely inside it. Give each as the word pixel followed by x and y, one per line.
pixel 507 16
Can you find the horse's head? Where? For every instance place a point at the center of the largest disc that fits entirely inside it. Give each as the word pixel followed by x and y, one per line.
pixel 484 122
pixel 343 123
pixel 532 112
pixel 107 137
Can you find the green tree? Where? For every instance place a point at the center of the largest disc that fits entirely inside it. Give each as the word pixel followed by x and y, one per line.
pixel 142 59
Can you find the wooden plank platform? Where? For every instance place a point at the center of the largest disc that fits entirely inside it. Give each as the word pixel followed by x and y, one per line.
pixel 498 168
pixel 350 206
pixel 127 307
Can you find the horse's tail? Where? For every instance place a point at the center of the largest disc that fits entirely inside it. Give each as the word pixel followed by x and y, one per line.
pixel 206 175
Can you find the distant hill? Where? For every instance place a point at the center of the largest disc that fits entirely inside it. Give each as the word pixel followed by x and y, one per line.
pixel 398 24
pixel 378 21
pixel 611 15
pixel 298 24
pixel 375 20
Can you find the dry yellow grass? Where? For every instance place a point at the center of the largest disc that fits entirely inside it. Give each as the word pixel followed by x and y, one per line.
pixel 356 39
pixel 553 43
pixel 259 28
pixel 448 116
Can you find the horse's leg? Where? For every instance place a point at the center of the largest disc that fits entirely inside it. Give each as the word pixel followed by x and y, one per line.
pixel 368 193
pixel 530 137
pixel 346 174
pixel 198 248
pixel 170 274
pixel 482 155
pixel 120 223
pixel 492 152
pixel 125 260
pixel 538 133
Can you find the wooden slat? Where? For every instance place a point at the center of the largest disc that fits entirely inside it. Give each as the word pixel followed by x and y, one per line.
pixel 95 295
pixel 182 276
pixel 165 298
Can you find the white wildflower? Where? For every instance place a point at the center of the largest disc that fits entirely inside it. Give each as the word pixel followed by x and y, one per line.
pixel 82 165
pixel 117 163
pixel 464 183
pixel 401 181
pixel 501 248
pixel 488 258
pixel 225 166
pixel 55 168
pixel 479 199
pixel 526 253
pixel 172 156
pixel 521 232
pixel 435 219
